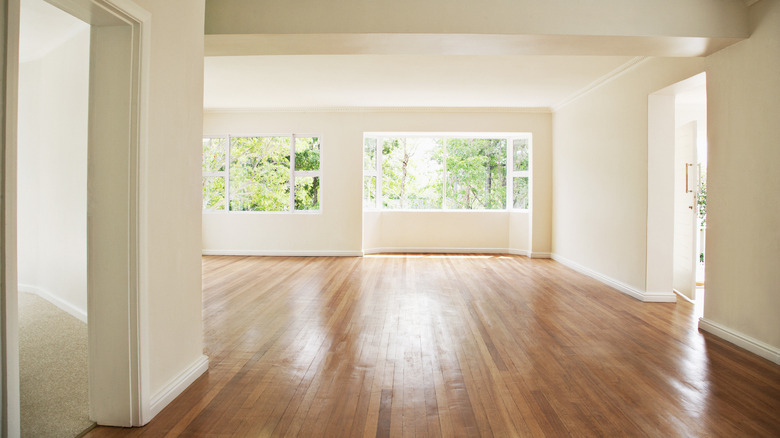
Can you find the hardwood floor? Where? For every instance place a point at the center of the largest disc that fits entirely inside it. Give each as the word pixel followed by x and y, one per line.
pixel 395 345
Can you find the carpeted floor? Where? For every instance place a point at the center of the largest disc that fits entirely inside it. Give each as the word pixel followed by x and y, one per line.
pixel 53 370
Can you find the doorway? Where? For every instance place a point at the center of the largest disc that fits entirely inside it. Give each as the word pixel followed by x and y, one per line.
pixel 690 192
pixel 52 220
pixel 119 41
pixel 676 194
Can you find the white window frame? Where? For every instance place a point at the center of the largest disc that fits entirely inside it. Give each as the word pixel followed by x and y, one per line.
pixel 293 173
pixel 220 173
pixel 376 172
pixel 511 173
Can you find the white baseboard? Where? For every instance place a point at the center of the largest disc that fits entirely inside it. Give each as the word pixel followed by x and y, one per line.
pixel 245 252
pixel 659 297
pixel 436 250
pixel 648 297
pixel 682 295
pixel 63 305
pixel 411 250
pixel 741 340
pixel 176 386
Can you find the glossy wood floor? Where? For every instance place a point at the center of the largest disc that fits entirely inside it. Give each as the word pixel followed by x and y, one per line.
pixel 455 346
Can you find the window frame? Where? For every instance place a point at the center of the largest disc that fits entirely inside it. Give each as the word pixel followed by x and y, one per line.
pixel 291 182
pixel 219 173
pixel 380 137
pixel 512 173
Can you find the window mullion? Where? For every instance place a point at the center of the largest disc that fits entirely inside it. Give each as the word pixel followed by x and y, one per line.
pixel 379 176
pixel 444 178
pixel 227 173
pixel 510 166
pixel 292 172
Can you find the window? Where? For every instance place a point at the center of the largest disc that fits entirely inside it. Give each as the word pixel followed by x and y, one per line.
pixel 520 172
pixel 453 172
pixel 214 173
pixel 261 173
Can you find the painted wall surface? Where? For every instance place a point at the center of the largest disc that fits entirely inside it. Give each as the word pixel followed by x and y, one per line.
pixel 520 230
pixel 9 332
pixel 540 220
pixel 743 218
pixel 52 185
pixel 660 192
pixel 175 328
pixel 600 162
pixel 553 17
pixel 390 231
pixel 338 227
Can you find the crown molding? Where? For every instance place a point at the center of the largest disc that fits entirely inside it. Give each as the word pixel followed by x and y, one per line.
pixel 600 82
pixel 361 109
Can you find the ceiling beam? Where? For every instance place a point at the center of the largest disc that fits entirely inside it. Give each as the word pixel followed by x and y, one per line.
pixel 460 44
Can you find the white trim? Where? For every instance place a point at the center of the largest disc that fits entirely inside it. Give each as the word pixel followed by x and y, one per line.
pixel 648 297
pixel 65 306
pixel 438 250
pixel 659 297
pixel 540 255
pixel 120 411
pixel 750 344
pixel 519 252
pixel 682 295
pixel 379 109
pixel 176 386
pixel 271 253
pixel 600 82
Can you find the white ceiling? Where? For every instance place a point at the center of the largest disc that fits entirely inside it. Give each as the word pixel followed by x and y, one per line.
pixel 401 80
pixel 361 80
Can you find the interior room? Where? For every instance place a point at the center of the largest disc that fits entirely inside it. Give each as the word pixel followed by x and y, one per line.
pixel 52 215
pixel 331 307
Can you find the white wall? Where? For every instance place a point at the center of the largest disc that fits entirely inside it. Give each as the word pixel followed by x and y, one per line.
pixel 340 227
pixel 743 219
pixel 9 333
pixel 448 231
pixel 175 332
pixel 600 165
pixel 52 185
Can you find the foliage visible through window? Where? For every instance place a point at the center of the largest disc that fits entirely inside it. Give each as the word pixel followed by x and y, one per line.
pixel 214 174
pixel 426 172
pixel 261 173
pixel 520 172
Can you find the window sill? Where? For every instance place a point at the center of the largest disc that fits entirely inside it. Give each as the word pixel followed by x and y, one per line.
pixel 365 210
pixel 272 213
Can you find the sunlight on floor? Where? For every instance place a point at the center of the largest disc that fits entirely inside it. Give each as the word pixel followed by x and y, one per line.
pixel 434 256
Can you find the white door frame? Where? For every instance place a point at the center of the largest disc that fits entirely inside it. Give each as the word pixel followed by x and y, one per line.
pixel 116 212
pixel 660 188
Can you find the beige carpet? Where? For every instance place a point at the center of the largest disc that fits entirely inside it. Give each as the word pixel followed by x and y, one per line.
pixel 53 370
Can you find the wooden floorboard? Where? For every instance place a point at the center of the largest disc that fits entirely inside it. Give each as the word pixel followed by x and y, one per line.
pixel 434 345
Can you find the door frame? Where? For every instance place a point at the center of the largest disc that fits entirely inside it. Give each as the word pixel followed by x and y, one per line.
pixel 691 174
pixel 116 211
pixel 660 188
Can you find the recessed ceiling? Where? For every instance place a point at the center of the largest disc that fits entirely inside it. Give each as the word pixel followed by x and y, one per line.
pixel 43 27
pixel 401 80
